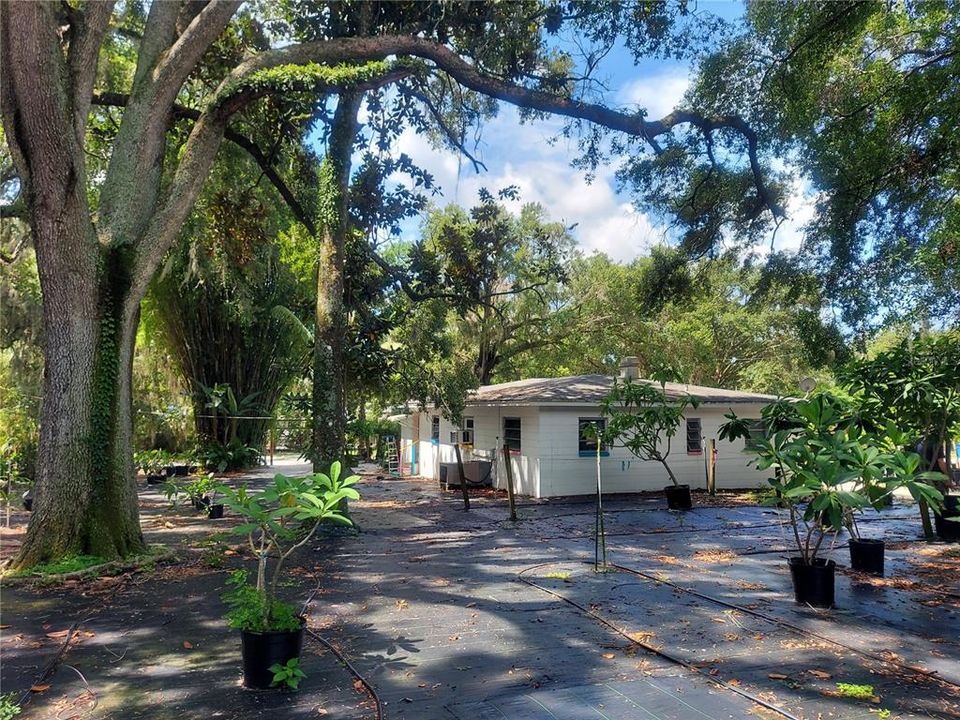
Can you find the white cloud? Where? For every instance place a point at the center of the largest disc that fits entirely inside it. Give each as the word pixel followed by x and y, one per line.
pixel 658 94
pixel 522 155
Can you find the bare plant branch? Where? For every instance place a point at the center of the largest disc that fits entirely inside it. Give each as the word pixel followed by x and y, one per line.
pixel 452 138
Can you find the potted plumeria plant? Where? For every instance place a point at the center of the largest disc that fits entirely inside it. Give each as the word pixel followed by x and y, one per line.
pixel 644 420
pixel 826 469
pixel 882 467
pixel 280 519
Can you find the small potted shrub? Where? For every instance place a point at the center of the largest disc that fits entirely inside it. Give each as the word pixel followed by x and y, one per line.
pixel 882 468
pixel 279 520
pixel 173 493
pixel 644 420
pixel 154 465
pixel 200 489
pixel 824 471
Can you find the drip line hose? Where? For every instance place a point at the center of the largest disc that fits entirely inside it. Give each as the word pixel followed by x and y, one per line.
pixel 50 668
pixel 651 649
pixel 932 674
pixel 366 684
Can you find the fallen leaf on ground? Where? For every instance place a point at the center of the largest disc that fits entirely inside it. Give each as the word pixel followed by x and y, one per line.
pixel 608 656
pixel 57 635
pixel 39 688
pixel 822 674
pixel 187 645
pixel 777 676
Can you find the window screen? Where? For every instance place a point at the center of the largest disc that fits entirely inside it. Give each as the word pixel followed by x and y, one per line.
pixel 757 433
pixel 694 439
pixel 435 428
pixel 587 442
pixel 511 433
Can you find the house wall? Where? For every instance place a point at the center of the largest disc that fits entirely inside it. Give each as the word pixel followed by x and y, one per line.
pixel 488 431
pixel 564 472
pixel 550 464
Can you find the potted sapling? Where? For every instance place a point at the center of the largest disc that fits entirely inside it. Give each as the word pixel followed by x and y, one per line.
pixel 279 519
pixel 214 509
pixel 200 489
pixel 882 467
pixel 825 471
pixel 642 419
pixel 153 463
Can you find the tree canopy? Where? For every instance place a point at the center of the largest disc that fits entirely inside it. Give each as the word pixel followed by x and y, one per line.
pixel 859 102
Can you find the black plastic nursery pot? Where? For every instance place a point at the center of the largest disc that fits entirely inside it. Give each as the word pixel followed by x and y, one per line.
pixel 948 529
pixel 215 512
pixel 866 556
pixel 678 497
pixel 27 504
pixel 200 503
pixel 813 584
pixel 156 479
pixel 261 650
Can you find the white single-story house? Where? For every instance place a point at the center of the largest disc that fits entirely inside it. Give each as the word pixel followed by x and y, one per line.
pixel 541 420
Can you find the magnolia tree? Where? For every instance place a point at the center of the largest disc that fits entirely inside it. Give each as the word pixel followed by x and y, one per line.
pixel 102 222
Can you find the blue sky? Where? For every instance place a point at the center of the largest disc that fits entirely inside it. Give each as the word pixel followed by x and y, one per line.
pixel 522 155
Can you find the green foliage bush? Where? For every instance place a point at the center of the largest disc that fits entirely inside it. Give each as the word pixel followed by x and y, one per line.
pixel 250 608
pixel 235 455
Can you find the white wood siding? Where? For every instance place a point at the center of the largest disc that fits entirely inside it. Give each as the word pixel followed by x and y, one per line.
pixel 550 465
pixel 564 472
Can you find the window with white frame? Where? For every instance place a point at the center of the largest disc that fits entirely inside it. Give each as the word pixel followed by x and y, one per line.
pixel 758 431
pixel 466 434
pixel 588 430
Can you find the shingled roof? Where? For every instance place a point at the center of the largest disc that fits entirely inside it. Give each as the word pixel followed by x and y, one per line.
pixel 591 389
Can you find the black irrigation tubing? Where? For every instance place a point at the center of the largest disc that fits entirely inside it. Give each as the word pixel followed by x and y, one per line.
pixel 352 669
pixel 659 652
pixel 932 674
pixel 50 668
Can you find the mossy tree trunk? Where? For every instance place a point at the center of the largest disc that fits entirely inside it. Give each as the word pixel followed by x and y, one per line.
pixel 85 495
pixel 329 416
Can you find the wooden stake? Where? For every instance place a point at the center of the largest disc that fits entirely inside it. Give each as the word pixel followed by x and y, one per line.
pixel 711 467
pixel 506 462
pixel 925 519
pixel 463 479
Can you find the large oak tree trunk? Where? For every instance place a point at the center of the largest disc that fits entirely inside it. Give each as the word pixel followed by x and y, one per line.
pixel 85 492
